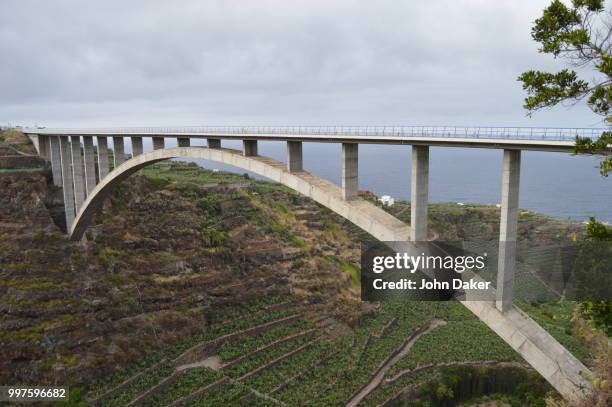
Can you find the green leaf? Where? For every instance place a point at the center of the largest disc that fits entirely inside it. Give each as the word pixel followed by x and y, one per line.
pixel 548 89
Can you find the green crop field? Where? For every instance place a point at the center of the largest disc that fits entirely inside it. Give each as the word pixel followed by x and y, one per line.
pixel 298 362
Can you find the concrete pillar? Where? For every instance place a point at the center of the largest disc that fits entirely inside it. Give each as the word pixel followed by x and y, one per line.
pixel 249 148
pixel 214 143
pixel 419 193
pixel 34 139
pixel 78 175
pixel 90 164
pixel 67 186
pixel 56 160
pixel 44 149
pixel 118 150
pixel 102 157
pixel 183 141
pixel 137 148
pixel 294 156
pixel 158 143
pixel 508 228
pixel 350 182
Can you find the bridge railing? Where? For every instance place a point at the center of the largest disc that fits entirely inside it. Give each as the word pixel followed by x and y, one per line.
pixel 512 133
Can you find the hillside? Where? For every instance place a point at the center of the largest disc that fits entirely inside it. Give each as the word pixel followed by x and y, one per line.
pixel 198 287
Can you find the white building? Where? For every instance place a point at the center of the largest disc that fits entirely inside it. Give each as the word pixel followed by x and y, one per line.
pixel 386 200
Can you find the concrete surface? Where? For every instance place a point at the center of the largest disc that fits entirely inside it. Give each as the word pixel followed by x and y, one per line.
pixel 56 160
pixel 508 229
pixel 294 156
pixel 90 164
pixel 158 143
pixel 119 151
pixel 103 165
pixel 137 147
pixel 350 170
pixel 249 148
pixel 67 184
pixel 78 173
pixel 419 193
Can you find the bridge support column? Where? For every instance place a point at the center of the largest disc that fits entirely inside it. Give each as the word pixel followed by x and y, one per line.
pixel 44 149
pixel 67 186
pixel 350 182
pixel 183 141
pixel 119 151
pixel 214 143
pixel 158 143
pixel 90 164
pixel 102 157
pixel 137 148
pixel 249 148
pixel 419 193
pixel 77 172
pixel 56 160
pixel 294 156
pixel 508 228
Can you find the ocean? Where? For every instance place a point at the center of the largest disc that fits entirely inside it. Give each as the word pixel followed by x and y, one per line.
pixel 556 184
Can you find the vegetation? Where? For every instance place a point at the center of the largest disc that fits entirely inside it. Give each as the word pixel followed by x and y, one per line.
pixel 318 369
pixel 580 34
pixel 191 381
pixel 137 387
pixel 236 348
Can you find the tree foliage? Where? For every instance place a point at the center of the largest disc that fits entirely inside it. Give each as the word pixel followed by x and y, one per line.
pixel 581 34
pixel 599 312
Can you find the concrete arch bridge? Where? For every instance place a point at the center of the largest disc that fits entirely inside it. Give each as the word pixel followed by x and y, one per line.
pixel 73 162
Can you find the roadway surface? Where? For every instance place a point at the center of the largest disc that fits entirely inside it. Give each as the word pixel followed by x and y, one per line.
pixel 521 138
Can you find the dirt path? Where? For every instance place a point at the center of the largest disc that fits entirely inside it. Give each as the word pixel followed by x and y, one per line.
pixel 380 374
pixel 212 362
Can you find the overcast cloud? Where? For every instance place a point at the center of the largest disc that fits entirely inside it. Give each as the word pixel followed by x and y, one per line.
pixel 388 62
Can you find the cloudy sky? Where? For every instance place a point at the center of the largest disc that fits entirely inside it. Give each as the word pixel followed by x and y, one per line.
pixel 200 62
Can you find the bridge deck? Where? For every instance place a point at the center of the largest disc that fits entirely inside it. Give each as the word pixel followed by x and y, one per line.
pixel 523 138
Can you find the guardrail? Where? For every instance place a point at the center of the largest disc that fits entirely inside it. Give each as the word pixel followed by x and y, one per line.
pixel 512 133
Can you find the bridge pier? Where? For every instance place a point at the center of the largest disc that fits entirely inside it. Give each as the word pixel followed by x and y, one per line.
pixel 508 229
pixel 158 143
pixel 214 142
pixel 118 151
pixel 137 148
pixel 249 148
pixel 56 160
pixel 77 171
pixel 294 156
pixel 67 185
pixel 44 147
pixel 102 157
pixel 90 165
pixel 350 181
pixel 182 141
pixel 419 194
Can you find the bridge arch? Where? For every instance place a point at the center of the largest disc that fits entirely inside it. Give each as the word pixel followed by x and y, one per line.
pixel 365 215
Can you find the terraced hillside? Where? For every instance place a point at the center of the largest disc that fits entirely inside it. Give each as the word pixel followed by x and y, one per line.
pixel 164 257
pixel 279 353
